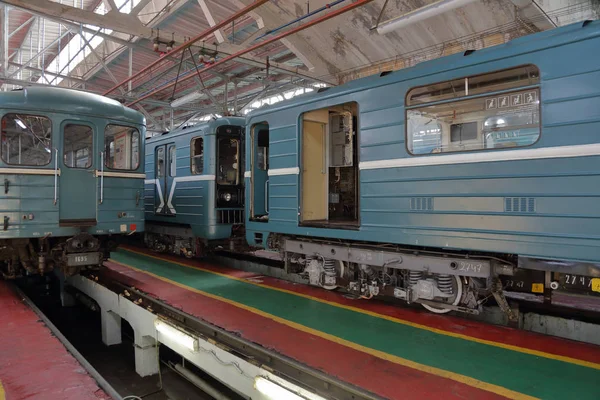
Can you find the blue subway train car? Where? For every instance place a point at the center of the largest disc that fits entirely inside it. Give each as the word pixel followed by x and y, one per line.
pixel 71 178
pixel 194 193
pixel 430 183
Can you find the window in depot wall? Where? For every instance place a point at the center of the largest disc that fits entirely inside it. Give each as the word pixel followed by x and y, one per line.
pixel 26 139
pixel 488 121
pixel 197 156
pixel 121 147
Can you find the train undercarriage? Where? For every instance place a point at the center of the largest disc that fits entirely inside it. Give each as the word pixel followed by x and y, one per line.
pixel 440 281
pixel 21 257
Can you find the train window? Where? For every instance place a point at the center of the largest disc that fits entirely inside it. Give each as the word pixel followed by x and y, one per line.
pixel 26 139
pixel 495 81
pixel 121 147
pixel 77 146
pixel 197 155
pixel 506 119
pixel 228 165
pixel 160 162
pixel 172 161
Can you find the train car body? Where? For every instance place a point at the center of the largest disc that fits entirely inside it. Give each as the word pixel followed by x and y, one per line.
pixel 429 182
pixel 71 174
pixel 194 188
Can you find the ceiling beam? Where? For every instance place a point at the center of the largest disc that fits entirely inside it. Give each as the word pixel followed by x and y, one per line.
pixel 139 7
pixel 211 20
pixel 39 54
pixel 30 20
pixel 33 69
pixel 4 40
pixel 115 21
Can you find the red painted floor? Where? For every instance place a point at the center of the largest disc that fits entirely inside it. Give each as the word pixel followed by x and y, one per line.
pixel 33 363
pixel 382 377
pixel 455 325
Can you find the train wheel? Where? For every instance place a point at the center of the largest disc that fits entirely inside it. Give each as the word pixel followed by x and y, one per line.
pixel 454 300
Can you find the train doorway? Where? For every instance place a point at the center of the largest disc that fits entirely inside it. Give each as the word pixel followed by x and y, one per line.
pixel 259 178
pixel 329 189
pixel 165 161
pixel 77 200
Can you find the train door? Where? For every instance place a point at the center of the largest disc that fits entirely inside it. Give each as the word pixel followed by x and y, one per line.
pixel 330 167
pixel 314 171
pixel 77 188
pixel 259 165
pixel 165 161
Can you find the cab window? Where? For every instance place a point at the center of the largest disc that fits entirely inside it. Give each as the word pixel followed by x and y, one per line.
pixel 197 156
pixel 26 139
pixel 121 146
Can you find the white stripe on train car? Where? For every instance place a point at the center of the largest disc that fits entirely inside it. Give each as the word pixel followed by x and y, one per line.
pixel 584 150
pixel 283 171
pixel 191 178
pixel 109 174
pixel 28 171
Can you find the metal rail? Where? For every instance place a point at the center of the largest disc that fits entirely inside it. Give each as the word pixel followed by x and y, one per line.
pixel 187 44
pixel 240 53
pixel 281 365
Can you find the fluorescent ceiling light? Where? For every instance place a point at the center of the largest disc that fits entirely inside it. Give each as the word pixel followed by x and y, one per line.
pixel 177 335
pixel 20 123
pixel 282 390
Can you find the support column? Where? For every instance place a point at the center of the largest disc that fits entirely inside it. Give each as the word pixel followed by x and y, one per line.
pixel 111 328
pixel 146 359
pixel 66 299
pixel 4 40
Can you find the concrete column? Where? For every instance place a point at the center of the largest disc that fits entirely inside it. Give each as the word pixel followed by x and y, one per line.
pixel 146 359
pixel 111 328
pixel 66 300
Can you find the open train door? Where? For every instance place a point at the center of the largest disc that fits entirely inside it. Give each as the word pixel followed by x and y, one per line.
pixel 259 166
pixel 77 187
pixel 314 171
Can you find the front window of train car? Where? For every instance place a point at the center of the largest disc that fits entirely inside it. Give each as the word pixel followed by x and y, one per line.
pixel 228 172
pixel 121 147
pixel 26 140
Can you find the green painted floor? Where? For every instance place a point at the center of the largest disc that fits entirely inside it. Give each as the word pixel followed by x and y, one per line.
pixel 528 374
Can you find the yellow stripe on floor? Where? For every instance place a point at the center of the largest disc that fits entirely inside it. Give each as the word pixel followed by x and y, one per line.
pixel 583 363
pixel 511 394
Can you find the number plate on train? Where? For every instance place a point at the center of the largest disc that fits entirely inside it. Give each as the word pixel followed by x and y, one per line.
pixel 79 259
pixel 580 282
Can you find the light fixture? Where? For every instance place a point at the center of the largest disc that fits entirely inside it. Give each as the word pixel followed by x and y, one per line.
pixel 227 196
pixel 276 388
pixel 20 123
pixel 274 391
pixel 177 335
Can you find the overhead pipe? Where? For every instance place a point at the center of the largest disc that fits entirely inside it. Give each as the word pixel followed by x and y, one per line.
pixel 193 40
pixel 310 14
pixel 240 53
pixel 420 14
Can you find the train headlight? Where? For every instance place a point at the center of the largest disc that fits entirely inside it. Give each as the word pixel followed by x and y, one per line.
pixel 227 196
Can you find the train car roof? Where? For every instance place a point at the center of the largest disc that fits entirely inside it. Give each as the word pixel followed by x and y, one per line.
pixel 201 129
pixel 63 100
pixel 550 38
